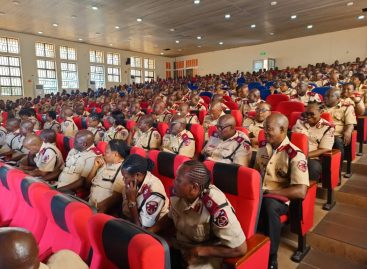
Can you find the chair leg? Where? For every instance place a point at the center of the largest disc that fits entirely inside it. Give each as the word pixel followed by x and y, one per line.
pixel 348 173
pixel 360 135
pixel 302 249
pixel 330 202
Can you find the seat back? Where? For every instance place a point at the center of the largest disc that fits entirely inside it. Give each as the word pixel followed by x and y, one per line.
pixel 264 94
pixel 231 105
pixel 287 107
pixel 242 187
pixel 197 131
pixel 66 226
pixel 226 98
pixel 254 85
pixel 5 117
pixel 78 122
pixel 139 151
pixel 130 124
pixel 117 243
pixel 106 124
pixel 275 99
pixel 202 114
pixel 300 141
pixel 165 167
pixel 29 192
pixel 102 146
pixel 162 128
pixel 321 90
pixel 206 94
pixel 84 123
pixel 238 117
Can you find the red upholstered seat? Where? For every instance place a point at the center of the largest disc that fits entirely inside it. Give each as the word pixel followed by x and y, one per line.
pixel 139 151
pixel 231 105
pixel 78 122
pixel 165 166
pixel 118 244
pixel 130 124
pixel 162 128
pixel 242 187
pixel 29 192
pixel 60 145
pixel 238 117
pixel 275 99
pixel 5 117
pixel 206 99
pixel 102 146
pixel 106 124
pixel 66 226
pixel 287 107
pixel 197 131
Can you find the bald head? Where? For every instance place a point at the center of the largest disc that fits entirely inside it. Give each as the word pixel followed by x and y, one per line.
pixel 177 124
pixel 276 127
pixel 83 140
pixel 12 124
pixel 26 127
pixel 18 249
pixel 226 126
pixel 332 97
pixel 227 119
pixel 48 136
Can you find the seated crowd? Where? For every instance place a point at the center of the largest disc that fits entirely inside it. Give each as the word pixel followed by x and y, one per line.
pixel 122 184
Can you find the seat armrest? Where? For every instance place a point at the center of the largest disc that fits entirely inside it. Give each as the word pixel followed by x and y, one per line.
pixel 258 247
pixel 276 197
pixel 330 168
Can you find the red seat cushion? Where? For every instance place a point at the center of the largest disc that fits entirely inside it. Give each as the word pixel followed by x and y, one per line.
pixel 275 99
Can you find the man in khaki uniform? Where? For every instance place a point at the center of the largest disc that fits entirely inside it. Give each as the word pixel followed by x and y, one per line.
pixel 177 139
pixel 68 126
pixel 228 145
pixel 117 131
pixel 12 127
pixel 207 228
pixel 196 104
pixel 3 132
pixel 320 135
pixel 351 97
pixel 344 118
pixel 184 111
pixel 146 137
pixel 46 156
pixel 95 126
pixel 283 168
pixel 135 112
pixel 51 122
pixel 160 114
pixel 79 162
pixel 215 112
pixel 254 99
pixel 18 150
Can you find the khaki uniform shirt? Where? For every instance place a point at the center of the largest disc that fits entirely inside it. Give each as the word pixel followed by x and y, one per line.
pixel 68 127
pixel 164 117
pixel 320 136
pixel 78 164
pixel 342 115
pixel 209 220
pixel 17 146
pixel 151 201
pixel 107 180
pixel 64 259
pixel 9 140
pixel 282 167
pixel 119 132
pixel 37 124
pixel 49 158
pixel 54 125
pixel 235 149
pixel 198 107
pixel 308 97
pixel 137 116
pixel 192 119
pixel 98 132
pixel 3 133
pixel 182 143
pixel 209 121
pixel 148 140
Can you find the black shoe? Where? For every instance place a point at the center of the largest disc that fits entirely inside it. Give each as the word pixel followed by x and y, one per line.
pixel 273 265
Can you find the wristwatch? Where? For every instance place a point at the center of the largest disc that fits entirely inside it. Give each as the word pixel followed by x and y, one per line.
pixel 131 204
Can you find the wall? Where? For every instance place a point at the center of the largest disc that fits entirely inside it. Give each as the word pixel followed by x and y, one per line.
pixel 29 67
pixel 342 45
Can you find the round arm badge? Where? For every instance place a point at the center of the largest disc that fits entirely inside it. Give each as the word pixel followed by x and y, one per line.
pixel 221 218
pixel 151 207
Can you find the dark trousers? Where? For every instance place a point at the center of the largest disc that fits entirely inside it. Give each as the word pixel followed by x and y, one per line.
pixel 314 169
pixel 269 224
pixel 339 144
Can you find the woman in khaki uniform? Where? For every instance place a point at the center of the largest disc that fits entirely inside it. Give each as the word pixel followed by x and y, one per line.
pixel 105 178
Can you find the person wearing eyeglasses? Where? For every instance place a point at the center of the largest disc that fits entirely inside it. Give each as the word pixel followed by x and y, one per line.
pixel 227 145
pixel 178 140
pixel 320 135
pixel 256 124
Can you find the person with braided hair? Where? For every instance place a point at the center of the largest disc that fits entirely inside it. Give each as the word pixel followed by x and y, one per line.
pixel 207 228
pixel 144 198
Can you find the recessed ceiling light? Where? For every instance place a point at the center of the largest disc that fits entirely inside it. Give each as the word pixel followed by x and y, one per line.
pixel 117 27
pixel 198 37
pixel 177 41
pixel 98 33
pixel 162 53
pixel 271 34
pixel 55 25
pixel 73 16
pixel 110 44
pixel 80 39
pixel 350 4
pixel 196 2
pixel 309 26
pixel 227 16
pixel 172 29
pixel 139 19
pixel 273 3
pixel 361 17
pixel 199 46
pixel 253 25
pixel 94 7
pixel 40 33
pixel 179 49
pixel 221 43
pixel 16 3
pixel 294 17
pixel 2 13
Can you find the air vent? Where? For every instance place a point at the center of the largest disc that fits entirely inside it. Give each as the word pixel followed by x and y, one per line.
pixel 364 9
pixel 167 49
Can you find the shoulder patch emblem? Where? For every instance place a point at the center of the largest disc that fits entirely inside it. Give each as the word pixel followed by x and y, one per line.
pixel 262 143
pixel 302 165
pixel 97 151
pixel 221 218
pixel 146 191
pixel 239 139
pixel 151 207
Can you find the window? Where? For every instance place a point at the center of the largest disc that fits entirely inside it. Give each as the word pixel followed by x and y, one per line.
pixel 45 50
pixel 136 75
pixel 136 62
pixel 67 53
pixel 96 56
pixel 149 64
pixel 69 76
pixel 10 76
pixel 97 75
pixel 47 75
pixel 9 45
pixel 148 75
pixel 113 58
pixel 113 74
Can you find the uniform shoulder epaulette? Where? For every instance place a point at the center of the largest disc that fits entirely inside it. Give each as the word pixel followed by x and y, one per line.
pixel 290 151
pixel 262 143
pixel 209 204
pixel 326 123
pixel 311 93
pixel 346 104
pixel 239 139
pixel 146 191
pixel 185 137
pixel 96 151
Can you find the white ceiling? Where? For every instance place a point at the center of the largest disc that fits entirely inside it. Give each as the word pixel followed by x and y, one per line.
pixel 76 19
